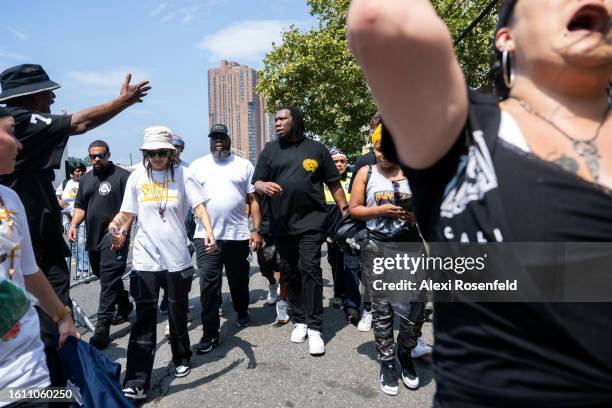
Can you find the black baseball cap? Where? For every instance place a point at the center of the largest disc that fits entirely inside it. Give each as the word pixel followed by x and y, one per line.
pixel 25 79
pixel 218 129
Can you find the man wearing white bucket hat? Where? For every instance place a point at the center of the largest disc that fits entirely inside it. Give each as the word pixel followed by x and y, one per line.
pixel 158 193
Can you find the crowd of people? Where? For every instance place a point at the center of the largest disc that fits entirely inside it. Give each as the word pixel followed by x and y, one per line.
pixel 530 163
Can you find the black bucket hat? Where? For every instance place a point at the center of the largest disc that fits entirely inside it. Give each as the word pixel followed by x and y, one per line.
pixel 25 79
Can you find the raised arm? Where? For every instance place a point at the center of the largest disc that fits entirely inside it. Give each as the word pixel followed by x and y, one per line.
pixel 90 118
pixel 406 53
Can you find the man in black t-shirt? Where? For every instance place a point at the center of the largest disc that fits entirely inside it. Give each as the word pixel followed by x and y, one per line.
pixel 28 94
pixel 97 202
pixel 291 171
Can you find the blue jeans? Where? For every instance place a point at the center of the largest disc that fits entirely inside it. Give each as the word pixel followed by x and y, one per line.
pixel 352 269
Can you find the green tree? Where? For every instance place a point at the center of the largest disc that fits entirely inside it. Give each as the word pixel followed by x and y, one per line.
pixel 316 70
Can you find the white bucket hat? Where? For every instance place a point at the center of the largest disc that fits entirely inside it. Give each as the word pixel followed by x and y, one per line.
pixel 157 138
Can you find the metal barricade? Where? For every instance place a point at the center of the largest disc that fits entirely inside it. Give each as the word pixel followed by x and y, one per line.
pixel 80 271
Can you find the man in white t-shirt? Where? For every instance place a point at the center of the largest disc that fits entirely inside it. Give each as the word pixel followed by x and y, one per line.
pixel 66 193
pixel 226 181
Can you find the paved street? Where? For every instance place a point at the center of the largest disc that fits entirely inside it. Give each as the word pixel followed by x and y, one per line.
pixel 258 366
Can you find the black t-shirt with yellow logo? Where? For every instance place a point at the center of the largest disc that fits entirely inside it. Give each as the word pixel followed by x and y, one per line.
pixel 300 169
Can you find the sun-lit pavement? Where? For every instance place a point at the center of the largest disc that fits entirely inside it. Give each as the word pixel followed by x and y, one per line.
pixel 258 366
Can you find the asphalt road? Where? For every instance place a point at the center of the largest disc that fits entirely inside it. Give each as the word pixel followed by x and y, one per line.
pixel 258 366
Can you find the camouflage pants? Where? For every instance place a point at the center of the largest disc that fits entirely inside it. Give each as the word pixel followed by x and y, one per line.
pixel 411 314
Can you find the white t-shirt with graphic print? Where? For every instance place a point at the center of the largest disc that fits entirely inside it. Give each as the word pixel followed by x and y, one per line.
pixel 22 358
pixel 161 242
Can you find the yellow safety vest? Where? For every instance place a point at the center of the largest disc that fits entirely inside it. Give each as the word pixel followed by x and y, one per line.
pixel 329 199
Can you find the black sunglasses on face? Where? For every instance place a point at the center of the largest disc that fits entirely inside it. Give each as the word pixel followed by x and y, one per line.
pixel 100 156
pixel 157 153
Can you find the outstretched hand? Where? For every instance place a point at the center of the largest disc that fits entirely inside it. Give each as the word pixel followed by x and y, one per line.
pixel 134 93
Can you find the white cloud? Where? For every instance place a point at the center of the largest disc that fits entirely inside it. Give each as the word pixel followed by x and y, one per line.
pixel 158 9
pixel 12 55
pixel 102 83
pixel 245 40
pixel 17 32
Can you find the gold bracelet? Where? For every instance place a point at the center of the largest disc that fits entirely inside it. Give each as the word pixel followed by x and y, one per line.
pixel 62 313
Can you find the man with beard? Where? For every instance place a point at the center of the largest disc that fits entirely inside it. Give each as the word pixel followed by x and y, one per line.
pixel 98 200
pixel 291 171
pixel 227 182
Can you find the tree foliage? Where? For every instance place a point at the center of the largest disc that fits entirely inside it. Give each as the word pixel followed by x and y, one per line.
pixel 316 71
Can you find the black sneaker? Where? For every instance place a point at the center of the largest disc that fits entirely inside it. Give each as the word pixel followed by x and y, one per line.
pixel 206 345
pixel 353 316
pixel 337 302
pixel 244 321
pixel 388 378
pixel 409 374
pixel 163 306
pixel 101 336
pixel 135 393
pixel 122 313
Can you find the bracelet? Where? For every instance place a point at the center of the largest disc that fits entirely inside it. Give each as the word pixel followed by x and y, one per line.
pixel 74 225
pixel 62 313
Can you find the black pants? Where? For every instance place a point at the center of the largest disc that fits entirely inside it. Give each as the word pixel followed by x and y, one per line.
pixel 56 270
pixel 335 257
pixel 233 255
pixel 301 272
pixel 109 266
pixel 144 288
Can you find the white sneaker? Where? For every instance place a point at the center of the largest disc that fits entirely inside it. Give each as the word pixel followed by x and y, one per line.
pixel 421 349
pixel 299 333
pixel 282 317
pixel 315 343
pixel 167 331
pixel 182 371
pixel 365 324
pixel 272 293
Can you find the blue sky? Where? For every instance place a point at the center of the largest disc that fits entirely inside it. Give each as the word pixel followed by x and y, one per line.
pixel 88 47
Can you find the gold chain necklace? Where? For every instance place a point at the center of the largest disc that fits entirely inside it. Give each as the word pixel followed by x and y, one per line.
pixel 10 224
pixel 587 149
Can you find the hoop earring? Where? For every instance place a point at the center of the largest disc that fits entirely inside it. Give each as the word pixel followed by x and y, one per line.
pixel 508 69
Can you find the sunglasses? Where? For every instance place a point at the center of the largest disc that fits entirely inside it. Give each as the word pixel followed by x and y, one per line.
pixel 157 153
pixel 100 156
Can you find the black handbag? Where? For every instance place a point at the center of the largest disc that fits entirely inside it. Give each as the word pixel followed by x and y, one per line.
pixel 349 231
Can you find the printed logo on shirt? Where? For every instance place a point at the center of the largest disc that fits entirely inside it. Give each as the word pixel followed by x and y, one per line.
pixel 158 190
pixel 104 188
pixel 475 177
pixel 310 165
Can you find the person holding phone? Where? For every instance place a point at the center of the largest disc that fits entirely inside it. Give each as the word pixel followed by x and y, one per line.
pixel 159 193
pixel 381 196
